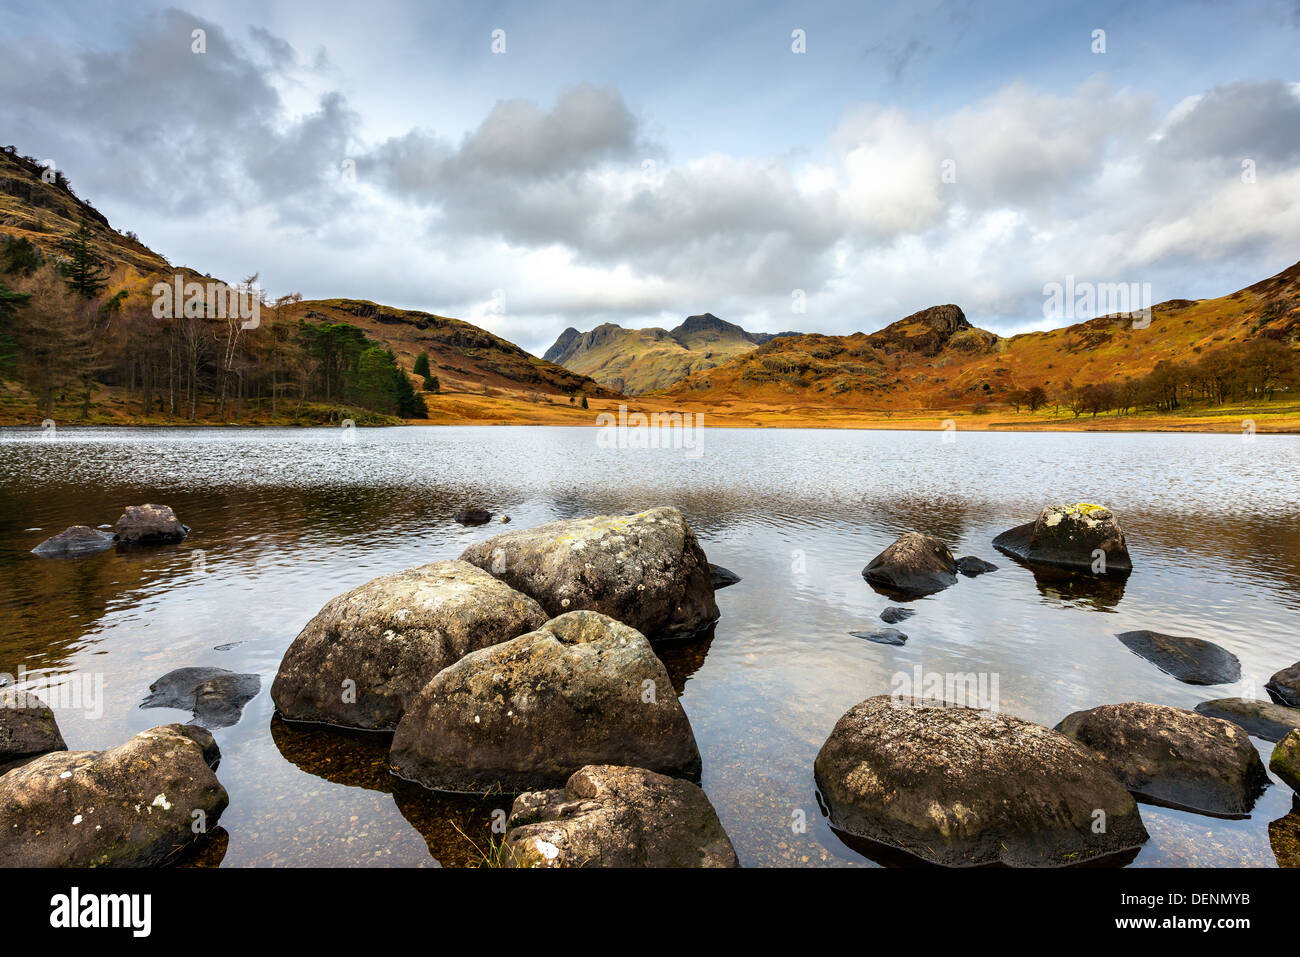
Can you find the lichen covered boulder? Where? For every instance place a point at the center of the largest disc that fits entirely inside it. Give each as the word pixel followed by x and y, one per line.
pixel 137 805
pixel 1285 762
pixel 959 787
pixel 1083 537
pixel 27 727
pixel 609 816
pixel 915 564
pixel 646 570
pixel 526 714
pixel 149 525
pixel 74 542
pixel 1174 757
pixel 366 654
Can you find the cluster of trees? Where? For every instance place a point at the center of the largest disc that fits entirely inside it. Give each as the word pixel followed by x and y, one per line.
pixel 1251 371
pixel 61 333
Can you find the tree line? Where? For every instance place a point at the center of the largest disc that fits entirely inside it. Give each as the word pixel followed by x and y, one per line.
pixel 62 332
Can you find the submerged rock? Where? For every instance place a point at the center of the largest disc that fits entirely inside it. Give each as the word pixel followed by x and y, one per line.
pixel 27 727
pixel 882 636
pixel 1263 719
pixel 610 816
pixel 1284 687
pixel 1070 536
pixel 1285 762
pixel 149 525
pixel 1284 838
pixel 722 577
pixel 915 564
pixel 473 516
pixel 215 695
pixel 646 570
pixel 1174 757
pixel 369 651
pixel 970 566
pixel 1193 661
pixel 136 805
pixel 893 615
pixel 582 689
pixel 958 786
pixel 74 542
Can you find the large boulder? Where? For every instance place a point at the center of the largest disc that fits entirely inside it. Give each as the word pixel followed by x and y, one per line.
pixel 610 816
pixel 1262 719
pixel 215 695
pixel 1069 536
pixel 1285 762
pixel 363 658
pixel 74 542
pixel 27 727
pixel 916 564
pixel 1194 661
pixel 646 570
pixel 1284 687
pixel 582 689
pixel 149 525
pixel 136 805
pixel 959 786
pixel 1174 757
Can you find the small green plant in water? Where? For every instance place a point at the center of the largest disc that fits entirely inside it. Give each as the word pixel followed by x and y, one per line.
pixel 493 856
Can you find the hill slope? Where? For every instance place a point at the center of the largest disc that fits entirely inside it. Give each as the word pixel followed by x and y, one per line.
pixel 644 360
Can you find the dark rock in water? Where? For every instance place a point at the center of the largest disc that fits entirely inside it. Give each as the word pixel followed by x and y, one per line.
pixel 1284 687
pixel 27 727
pixel 137 805
pixel 74 542
pixel 368 652
pixel 882 636
pixel 1193 661
pixel 149 525
pixel 970 566
pixel 1069 536
pixel 1285 762
pixel 215 695
pixel 959 786
pixel 646 570
pixel 609 816
pixel 473 516
pixel 915 564
pixel 1263 719
pixel 527 713
pixel 1284 838
pixel 1173 757
pixel 722 577
pixel 892 615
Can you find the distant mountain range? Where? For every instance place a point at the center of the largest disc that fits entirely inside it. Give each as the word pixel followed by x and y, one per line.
pixel 635 361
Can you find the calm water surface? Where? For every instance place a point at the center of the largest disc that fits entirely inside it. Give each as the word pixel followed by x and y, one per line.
pixel 286 519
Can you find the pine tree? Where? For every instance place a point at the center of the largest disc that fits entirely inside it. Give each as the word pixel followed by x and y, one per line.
pixel 584 401
pixel 84 272
pixel 421 367
pixel 431 384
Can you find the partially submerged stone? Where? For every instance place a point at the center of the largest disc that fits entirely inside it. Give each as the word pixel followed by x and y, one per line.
pixel 1174 757
pixel 1263 719
pixel 27 727
pixel 1083 537
pixel 893 615
pixel 473 516
pixel 970 566
pixel 582 689
pixel 646 570
pixel 1193 661
pixel 74 542
pixel 915 564
pixel 722 577
pixel 149 525
pixel 137 805
pixel 216 695
pixel 1284 687
pixel 611 816
pixel 958 786
pixel 882 636
pixel 369 651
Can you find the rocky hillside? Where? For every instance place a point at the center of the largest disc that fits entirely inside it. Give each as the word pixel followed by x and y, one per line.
pixel 635 361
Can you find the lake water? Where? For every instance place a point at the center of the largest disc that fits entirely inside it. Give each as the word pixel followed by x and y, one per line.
pixel 286 519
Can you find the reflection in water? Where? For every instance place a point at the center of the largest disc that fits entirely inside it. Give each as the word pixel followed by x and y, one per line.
pixel 1081 589
pixel 283 520
pixel 887 856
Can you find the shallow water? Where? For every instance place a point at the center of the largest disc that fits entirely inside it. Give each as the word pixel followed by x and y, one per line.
pixel 285 519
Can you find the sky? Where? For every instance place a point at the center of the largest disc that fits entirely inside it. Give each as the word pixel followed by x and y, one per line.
pixel 818 167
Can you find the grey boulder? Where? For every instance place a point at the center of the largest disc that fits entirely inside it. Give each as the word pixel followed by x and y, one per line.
pixel 1284 687
pixel 526 714
pixel 1263 719
pixel 915 564
pixel 149 525
pixel 970 566
pixel 369 651
pixel 1070 536
pixel 610 816
pixel 74 542
pixel 215 695
pixel 646 570
pixel 27 727
pixel 1193 661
